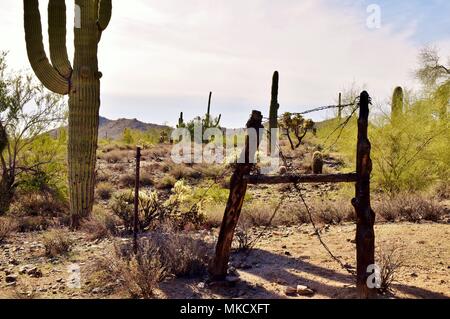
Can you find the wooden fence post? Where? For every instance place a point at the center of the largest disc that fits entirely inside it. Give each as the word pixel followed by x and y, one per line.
pixel 365 216
pixel 238 186
pixel 136 200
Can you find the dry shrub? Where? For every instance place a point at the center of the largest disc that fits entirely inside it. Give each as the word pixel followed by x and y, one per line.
pixel 146 179
pixel 214 214
pixel 409 207
pixel 56 243
pixel 104 190
pixel 102 176
pixel 42 204
pixel 333 212
pixel 127 179
pixel 27 224
pixel 116 156
pixel 243 235
pixel 180 171
pixel 390 260
pixel 167 182
pixel 163 253
pixel 210 170
pixel 7 227
pixel 101 224
pixel 138 274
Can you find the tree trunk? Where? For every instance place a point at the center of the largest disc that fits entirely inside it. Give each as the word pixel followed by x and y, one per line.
pixel 6 195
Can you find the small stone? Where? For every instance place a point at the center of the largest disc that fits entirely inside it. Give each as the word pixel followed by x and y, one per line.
pixel 414 275
pixel 290 291
pixel 287 253
pixel 11 279
pixel 304 291
pixel 201 285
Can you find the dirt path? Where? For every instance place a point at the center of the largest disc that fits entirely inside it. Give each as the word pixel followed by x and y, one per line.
pixel 285 256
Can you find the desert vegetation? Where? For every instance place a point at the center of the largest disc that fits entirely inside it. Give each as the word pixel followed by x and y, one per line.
pixel 71 197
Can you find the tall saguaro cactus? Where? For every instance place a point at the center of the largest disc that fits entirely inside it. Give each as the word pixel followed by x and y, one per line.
pixel 81 82
pixel 397 104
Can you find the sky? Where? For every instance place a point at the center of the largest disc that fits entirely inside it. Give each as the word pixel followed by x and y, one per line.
pixel 159 58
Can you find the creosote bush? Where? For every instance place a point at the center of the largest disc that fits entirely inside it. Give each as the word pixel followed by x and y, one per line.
pixel 56 243
pixel 101 224
pixel 104 190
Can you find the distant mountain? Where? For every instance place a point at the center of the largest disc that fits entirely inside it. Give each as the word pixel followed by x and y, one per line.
pixel 114 128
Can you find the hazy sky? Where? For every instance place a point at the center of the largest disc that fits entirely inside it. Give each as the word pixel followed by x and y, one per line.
pixel 160 57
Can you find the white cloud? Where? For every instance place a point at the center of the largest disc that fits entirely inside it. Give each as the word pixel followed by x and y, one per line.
pixel 156 49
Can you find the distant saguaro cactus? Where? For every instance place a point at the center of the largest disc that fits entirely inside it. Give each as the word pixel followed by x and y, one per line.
pixel 81 83
pixel 181 123
pixel 209 122
pixel 317 163
pixel 397 104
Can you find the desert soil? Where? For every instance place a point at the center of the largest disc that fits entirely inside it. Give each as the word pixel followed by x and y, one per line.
pixel 285 256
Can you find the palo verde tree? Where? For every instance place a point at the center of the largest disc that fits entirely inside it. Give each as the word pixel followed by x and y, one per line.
pixel 27 112
pixel 297 125
pixel 80 82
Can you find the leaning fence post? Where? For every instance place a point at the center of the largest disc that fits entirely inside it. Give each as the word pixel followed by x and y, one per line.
pixel 238 186
pixel 365 216
pixel 136 200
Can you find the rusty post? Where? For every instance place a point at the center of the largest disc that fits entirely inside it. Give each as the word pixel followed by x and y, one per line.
pixel 136 200
pixel 238 186
pixel 365 216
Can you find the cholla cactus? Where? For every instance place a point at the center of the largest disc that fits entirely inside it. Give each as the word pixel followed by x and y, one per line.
pixel 317 163
pixel 81 82
pixel 298 125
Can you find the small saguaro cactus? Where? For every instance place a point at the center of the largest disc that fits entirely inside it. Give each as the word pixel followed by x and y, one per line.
pixel 181 123
pixel 397 104
pixel 317 163
pixel 81 82
pixel 209 122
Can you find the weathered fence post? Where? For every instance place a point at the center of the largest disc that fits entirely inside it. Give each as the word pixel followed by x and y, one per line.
pixel 136 200
pixel 340 107
pixel 365 216
pixel 238 186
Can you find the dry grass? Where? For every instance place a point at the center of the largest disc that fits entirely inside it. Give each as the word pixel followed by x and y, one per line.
pixel 101 225
pixel 104 190
pixel 56 243
pixel 7 227
pixel 390 261
pixel 409 207
pixel 162 254
pixel 167 182
pixel 39 204
pixel 27 224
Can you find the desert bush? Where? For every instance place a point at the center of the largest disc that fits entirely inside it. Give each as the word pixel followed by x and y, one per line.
pixel 56 243
pixel 127 180
pixel 167 182
pixel 180 171
pixel 138 274
pixel 390 261
pixel 104 190
pixel 101 224
pixel 7 227
pixel 146 179
pixel 243 235
pixel 33 223
pixel 116 156
pixel 409 207
pixel 43 204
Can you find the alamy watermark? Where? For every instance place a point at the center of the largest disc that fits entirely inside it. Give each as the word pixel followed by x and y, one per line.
pixel 373 20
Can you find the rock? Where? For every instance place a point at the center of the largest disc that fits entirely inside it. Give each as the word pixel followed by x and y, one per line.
pixel 201 285
pixel 232 271
pixel 232 280
pixel 414 275
pixel 290 291
pixel 304 291
pixel 34 272
pixel 9 279
pixel 287 253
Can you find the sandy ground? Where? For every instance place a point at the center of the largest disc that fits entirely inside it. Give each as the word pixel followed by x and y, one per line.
pixel 285 256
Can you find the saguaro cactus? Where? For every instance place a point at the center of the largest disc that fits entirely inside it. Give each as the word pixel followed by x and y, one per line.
pixel 397 104
pixel 209 122
pixel 81 82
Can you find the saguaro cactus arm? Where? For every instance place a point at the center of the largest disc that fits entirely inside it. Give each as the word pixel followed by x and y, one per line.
pixel 57 37
pixel 104 14
pixel 45 72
